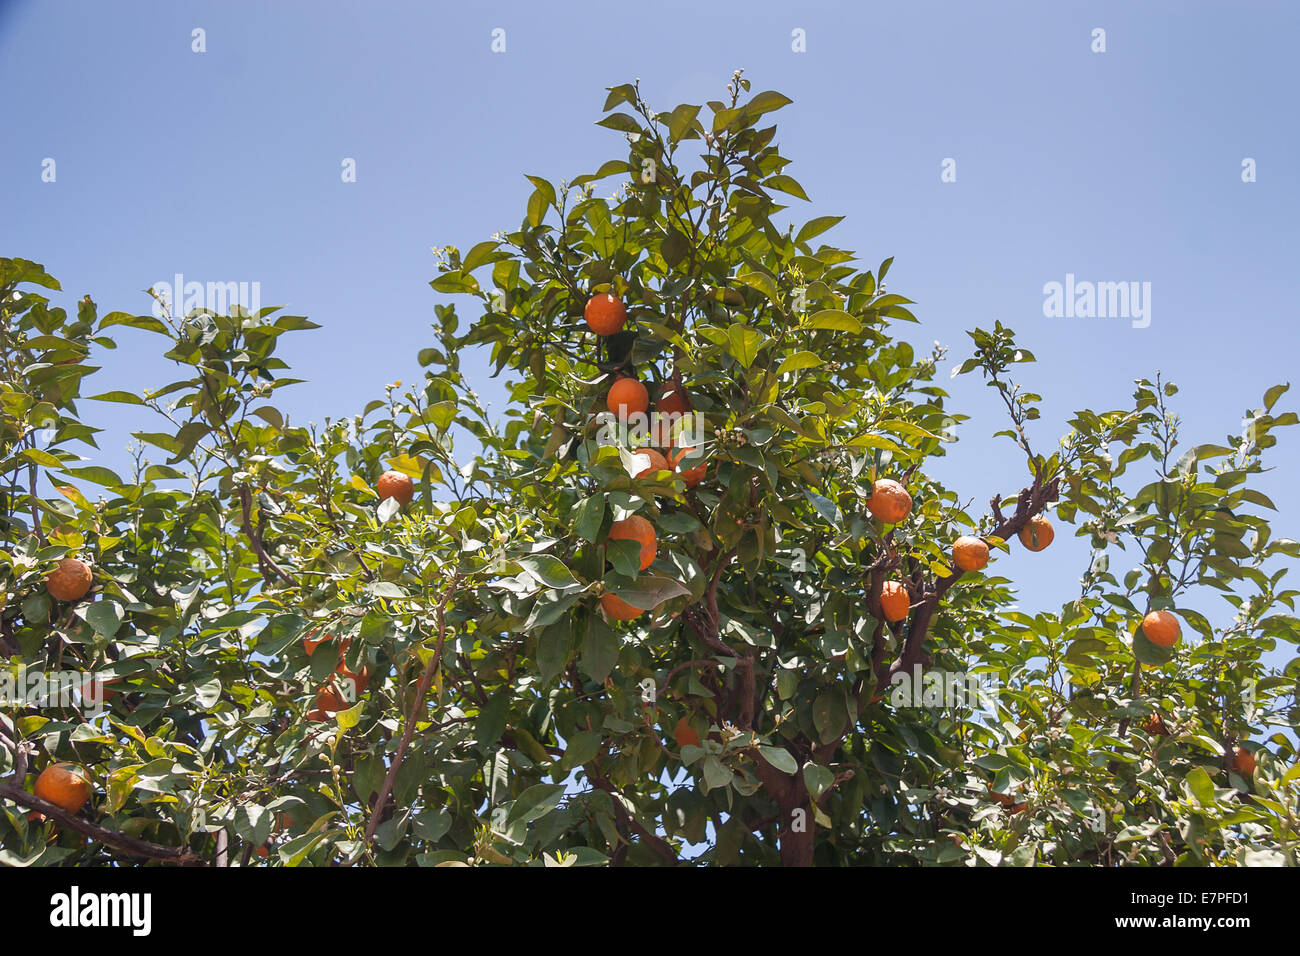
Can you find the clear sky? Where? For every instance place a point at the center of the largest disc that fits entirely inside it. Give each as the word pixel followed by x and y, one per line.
pixel 1115 166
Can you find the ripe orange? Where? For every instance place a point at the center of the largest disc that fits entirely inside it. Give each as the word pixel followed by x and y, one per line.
pixel 360 680
pixel 636 528
pixel 889 501
pixel 657 463
pixel 1038 534
pixel 970 553
pixel 64 785
pixel 262 851
pixel 1006 800
pixel 311 641
pixel 894 601
pixel 693 475
pixel 1155 726
pixel 1243 761
pixel 616 609
pixel 672 400
pixel 70 581
pixel 684 734
pixel 328 703
pixel 627 397
pixel 605 314
pixel 394 484
pixel 1161 628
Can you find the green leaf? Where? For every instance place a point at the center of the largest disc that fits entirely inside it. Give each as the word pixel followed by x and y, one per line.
pixel 600 647
pixel 582 748
pixel 675 247
pixel 835 320
pixel 829 715
pixel 815 227
pixel 1199 787
pixel 591 515
pixel 1149 653
pixel 125 398
pixel 147 322
pixel 650 590
pixel 40 457
pixel 817 778
pixel 549 570
pixel 766 102
pixel 681 120
pixel 553 648
pixel 105 617
pixel 763 282
pixel 799 360
pixel 537 205
pixel 743 343
pixel 625 555
pixel 715 774
pixel 780 758
pixel 621 122
pixel 786 185
pixel 491 721
pixel 535 802
pixel 98 474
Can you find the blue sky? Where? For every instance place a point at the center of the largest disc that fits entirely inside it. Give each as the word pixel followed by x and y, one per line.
pixel 1115 166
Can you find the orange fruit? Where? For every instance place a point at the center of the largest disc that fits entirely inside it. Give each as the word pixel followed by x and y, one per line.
pixel 360 680
pixel 970 553
pixel 1155 726
pixel 616 609
pixel 262 851
pixel 627 397
pixel 605 314
pixel 1243 761
pixel 64 785
pixel 894 601
pixel 693 475
pixel 657 463
pixel 310 642
pixel 70 581
pixel 684 734
pixel 1006 800
pixel 889 501
pixel 636 528
pixel 1161 628
pixel 1038 534
pixel 672 400
pixel 328 703
pixel 394 484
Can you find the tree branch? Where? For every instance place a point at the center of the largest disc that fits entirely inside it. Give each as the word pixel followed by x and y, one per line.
pixel 120 841
pixel 420 693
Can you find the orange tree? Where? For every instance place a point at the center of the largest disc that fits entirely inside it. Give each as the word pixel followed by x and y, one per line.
pixel 567 650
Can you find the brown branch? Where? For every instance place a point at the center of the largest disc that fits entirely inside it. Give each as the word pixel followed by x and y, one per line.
pixel 268 566
pixel 420 693
pixel 681 667
pixel 119 841
pixel 1030 502
pixel 626 821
